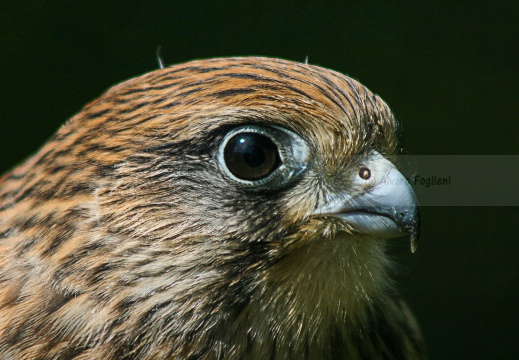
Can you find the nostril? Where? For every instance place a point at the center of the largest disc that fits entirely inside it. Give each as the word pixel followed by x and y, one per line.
pixel 364 173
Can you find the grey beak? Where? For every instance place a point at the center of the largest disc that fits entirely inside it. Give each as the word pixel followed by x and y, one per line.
pixel 386 206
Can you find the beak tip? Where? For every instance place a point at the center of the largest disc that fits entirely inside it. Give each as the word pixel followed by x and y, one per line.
pixel 414 233
pixel 414 244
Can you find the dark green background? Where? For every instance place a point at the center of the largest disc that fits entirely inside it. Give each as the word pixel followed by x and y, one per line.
pixel 449 72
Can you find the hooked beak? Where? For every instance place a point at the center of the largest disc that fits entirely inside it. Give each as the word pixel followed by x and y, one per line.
pixel 382 204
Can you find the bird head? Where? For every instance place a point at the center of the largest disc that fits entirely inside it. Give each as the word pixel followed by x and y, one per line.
pixel 204 193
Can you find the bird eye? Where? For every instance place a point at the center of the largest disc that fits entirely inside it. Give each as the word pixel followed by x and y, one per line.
pixel 251 156
pixel 256 155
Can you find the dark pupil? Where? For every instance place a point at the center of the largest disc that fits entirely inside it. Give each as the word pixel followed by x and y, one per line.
pixel 251 156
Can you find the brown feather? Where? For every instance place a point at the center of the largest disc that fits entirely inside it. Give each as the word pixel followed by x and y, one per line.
pixel 122 239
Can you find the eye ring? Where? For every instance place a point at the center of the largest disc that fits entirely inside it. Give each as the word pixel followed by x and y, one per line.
pixel 257 156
